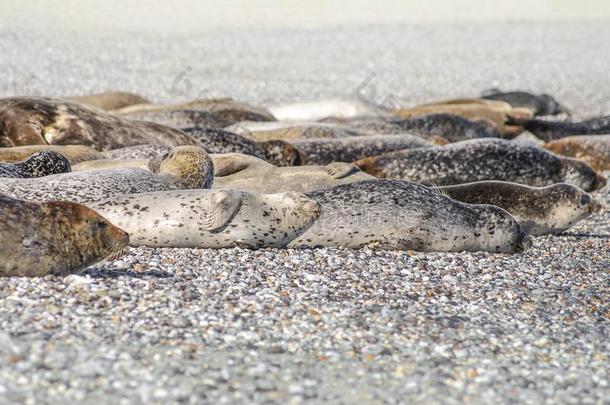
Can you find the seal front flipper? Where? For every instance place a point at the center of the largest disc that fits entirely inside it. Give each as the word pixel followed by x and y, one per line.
pixel 339 170
pixel 218 209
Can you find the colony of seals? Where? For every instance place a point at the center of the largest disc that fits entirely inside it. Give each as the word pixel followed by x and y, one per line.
pixel 183 168
pixel 483 159
pixel 39 121
pixel 390 214
pixel 349 149
pixel 74 153
pixel 242 172
pixel 539 210
pixel 59 238
pixel 210 218
pixel 38 165
pixel 593 149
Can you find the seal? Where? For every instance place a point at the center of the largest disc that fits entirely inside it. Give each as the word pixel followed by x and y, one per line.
pixel 593 149
pixel 277 152
pixel 110 100
pixel 539 210
pixel 39 164
pixel 400 215
pixel 55 237
pixel 74 153
pixel 551 130
pixel 243 172
pixel 349 149
pixel 39 121
pixel 210 218
pixel 540 104
pixel 136 152
pixel 179 118
pixel 224 110
pixel 184 168
pixel 291 131
pixel 319 109
pixel 483 159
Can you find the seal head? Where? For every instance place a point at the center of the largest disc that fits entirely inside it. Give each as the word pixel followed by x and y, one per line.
pixel 189 166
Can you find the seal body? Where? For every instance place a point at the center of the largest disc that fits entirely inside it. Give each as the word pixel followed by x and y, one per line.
pixel 551 130
pixel 182 168
pixel 242 172
pixel 74 153
pixel 593 149
pixel 319 109
pixel 38 165
pixel 542 104
pixel 179 118
pixel 401 215
pixel 539 210
pixel 58 238
pixel 482 159
pixel 349 149
pixel 39 121
pixel 110 100
pixel 136 152
pixel 210 218
pixel 291 131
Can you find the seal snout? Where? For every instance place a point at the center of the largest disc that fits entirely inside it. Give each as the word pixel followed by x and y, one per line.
pixel 600 182
pixel 525 243
pixel 595 206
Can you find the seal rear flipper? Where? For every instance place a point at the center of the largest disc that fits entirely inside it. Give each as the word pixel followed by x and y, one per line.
pixel 229 164
pixel 339 170
pixel 218 209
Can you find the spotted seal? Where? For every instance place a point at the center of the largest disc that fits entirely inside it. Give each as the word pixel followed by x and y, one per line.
pixel 39 121
pixel 210 218
pixel 277 152
pixel 483 159
pixel 53 238
pixel 185 167
pixel 291 131
pixel 400 215
pixel 349 149
pixel 593 149
pixel 540 104
pixel 242 172
pixel 74 153
pixel 318 109
pixel 110 100
pixel 539 210
pixel 551 130
pixel 39 164
pixel 179 118
pixel 136 152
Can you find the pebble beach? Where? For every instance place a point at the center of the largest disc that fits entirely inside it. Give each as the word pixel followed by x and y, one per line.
pixel 318 325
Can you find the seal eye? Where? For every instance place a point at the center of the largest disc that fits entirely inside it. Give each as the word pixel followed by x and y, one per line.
pixel 100 225
pixel 585 199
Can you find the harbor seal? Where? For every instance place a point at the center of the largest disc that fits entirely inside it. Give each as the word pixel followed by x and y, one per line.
pixel 319 109
pixel 277 152
pixel 551 130
pixel 39 164
pixel 74 153
pixel 185 167
pixel 110 100
pixel 542 104
pixel 482 159
pixel 243 172
pixel 290 131
pixel 349 149
pixel 179 118
pixel 539 210
pixel 39 121
pixel 400 215
pixel 210 218
pixel 593 149
pixel 55 237
pixel 136 152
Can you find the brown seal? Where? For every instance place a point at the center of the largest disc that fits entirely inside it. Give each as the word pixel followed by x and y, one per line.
pixel 74 153
pixel 54 237
pixel 39 121
pixel 593 149
pixel 110 100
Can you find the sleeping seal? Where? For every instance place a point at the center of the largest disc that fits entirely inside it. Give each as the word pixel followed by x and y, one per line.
pixel 483 159
pixel 179 118
pixel 551 130
pixel 401 215
pixel 38 165
pixel 109 100
pixel 349 149
pixel 136 152
pixel 291 131
pixel 184 168
pixel 74 153
pixel 210 218
pixel 242 172
pixel 539 210
pixel 319 109
pixel 53 238
pixel 39 121
pixel 277 152
pixel 542 104
pixel 593 149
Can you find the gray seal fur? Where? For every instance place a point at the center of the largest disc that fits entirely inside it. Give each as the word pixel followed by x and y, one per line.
pixel 39 164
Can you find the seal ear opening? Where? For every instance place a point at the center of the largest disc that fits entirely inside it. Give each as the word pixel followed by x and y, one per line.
pixel 218 209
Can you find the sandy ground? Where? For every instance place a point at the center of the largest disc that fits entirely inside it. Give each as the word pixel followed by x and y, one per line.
pixel 343 326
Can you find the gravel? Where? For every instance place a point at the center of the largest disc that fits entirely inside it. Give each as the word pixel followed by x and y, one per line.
pixel 318 325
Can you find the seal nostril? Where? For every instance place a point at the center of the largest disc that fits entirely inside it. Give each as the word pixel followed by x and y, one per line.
pixel 526 243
